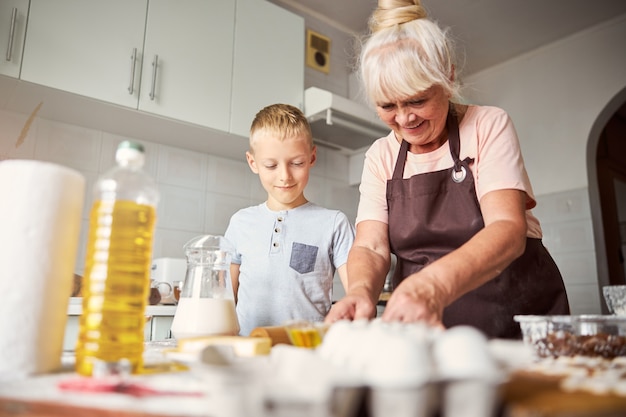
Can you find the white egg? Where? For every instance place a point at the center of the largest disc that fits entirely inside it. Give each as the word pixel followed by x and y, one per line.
pixel 462 352
pixel 400 361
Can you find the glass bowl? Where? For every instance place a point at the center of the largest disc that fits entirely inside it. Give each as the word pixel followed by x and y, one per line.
pixel 305 333
pixel 575 335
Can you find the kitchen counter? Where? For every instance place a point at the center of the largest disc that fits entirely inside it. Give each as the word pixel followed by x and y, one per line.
pixel 75 308
pixel 217 391
pixel 158 322
pixel 383 298
pixel 297 382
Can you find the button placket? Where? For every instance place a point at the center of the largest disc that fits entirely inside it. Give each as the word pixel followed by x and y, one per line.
pixel 277 235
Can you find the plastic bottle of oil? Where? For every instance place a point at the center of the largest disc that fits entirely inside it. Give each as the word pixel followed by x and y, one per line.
pixel 116 280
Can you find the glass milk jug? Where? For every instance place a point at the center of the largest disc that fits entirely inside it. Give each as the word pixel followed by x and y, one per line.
pixel 206 305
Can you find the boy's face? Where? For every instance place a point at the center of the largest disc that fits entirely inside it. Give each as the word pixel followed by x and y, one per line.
pixel 283 167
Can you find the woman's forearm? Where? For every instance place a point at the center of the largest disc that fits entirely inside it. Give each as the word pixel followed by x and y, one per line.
pixel 367 270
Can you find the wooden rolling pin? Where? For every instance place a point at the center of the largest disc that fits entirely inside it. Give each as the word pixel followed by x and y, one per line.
pixel 278 334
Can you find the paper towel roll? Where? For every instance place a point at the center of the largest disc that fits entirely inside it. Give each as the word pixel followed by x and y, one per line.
pixel 40 215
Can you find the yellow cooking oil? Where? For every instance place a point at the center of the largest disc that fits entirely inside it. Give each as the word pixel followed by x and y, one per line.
pixel 307 337
pixel 116 285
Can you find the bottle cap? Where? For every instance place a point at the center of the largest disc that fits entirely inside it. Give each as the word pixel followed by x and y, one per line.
pixel 129 150
pixel 132 145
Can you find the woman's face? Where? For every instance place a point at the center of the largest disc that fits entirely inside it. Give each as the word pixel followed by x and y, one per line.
pixel 420 119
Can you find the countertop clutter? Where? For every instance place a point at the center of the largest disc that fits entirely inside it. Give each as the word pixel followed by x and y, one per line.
pixel 360 369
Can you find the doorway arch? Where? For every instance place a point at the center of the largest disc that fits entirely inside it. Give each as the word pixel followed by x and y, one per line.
pixel 595 136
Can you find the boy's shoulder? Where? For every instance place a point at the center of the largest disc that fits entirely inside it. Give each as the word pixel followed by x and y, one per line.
pixel 312 210
pixel 312 207
pixel 249 211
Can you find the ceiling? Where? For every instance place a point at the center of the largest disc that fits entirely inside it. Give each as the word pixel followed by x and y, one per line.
pixel 487 32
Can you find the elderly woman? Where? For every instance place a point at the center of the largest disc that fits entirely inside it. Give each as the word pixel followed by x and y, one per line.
pixel 446 191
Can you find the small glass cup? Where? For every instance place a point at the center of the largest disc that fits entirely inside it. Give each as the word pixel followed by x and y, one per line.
pixel 306 334
pixel 178 288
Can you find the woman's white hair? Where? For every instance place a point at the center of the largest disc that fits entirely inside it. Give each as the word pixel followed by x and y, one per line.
pixel 406 53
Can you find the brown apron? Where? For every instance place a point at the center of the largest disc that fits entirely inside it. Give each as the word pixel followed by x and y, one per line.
pixel 434 213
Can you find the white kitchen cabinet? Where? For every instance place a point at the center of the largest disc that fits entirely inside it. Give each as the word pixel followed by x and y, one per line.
pixel 13 17
pixel 218 62
pixel 193 40
pixel 85 47
pixel 96 49
pixel 269 61
pixel 160 327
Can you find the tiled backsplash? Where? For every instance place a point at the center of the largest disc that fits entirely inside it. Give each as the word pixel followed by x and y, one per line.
pixel 568 234
pixel 199 193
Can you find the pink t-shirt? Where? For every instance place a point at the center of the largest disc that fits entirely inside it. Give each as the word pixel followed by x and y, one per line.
pixel 487 135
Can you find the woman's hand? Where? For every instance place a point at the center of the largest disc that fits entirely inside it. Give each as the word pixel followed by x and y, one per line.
pixel 414 300
pixel 368 263
pixel 351 307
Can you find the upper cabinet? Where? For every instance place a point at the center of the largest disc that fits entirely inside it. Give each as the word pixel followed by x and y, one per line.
pixel 269 61
pixel 97 49
pixel 91 48
pixel 210 63
pixel 13 16
pixel 188 61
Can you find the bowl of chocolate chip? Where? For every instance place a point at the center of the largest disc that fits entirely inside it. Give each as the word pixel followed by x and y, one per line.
pixel 602 336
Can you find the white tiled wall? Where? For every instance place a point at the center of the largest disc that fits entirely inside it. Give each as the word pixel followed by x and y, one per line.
pixel 199 192
pixel 568 234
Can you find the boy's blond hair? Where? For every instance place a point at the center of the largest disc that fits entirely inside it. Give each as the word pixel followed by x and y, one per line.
pixel 282 120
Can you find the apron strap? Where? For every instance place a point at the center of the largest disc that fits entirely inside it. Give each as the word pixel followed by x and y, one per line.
pixel 398 171
pixel 452 124
pixel 459 172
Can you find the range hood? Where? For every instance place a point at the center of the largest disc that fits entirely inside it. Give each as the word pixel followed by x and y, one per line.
pixel 340 123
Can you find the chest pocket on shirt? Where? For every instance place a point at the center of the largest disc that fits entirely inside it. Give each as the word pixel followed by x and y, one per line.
pixel 303 257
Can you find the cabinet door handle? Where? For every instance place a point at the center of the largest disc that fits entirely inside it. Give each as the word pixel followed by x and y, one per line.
pixel 9 54
pixel 155 64
pixel 133 60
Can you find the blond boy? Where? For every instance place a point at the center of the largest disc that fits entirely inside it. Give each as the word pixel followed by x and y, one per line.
pixel 287 248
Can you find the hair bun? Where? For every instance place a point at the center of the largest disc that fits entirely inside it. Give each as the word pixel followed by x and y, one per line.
pixel 395 12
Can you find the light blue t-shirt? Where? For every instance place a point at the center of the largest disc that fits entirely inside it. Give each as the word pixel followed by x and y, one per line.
pixel 287 262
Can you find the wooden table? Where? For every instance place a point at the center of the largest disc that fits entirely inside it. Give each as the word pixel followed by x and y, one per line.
pixel 533 395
